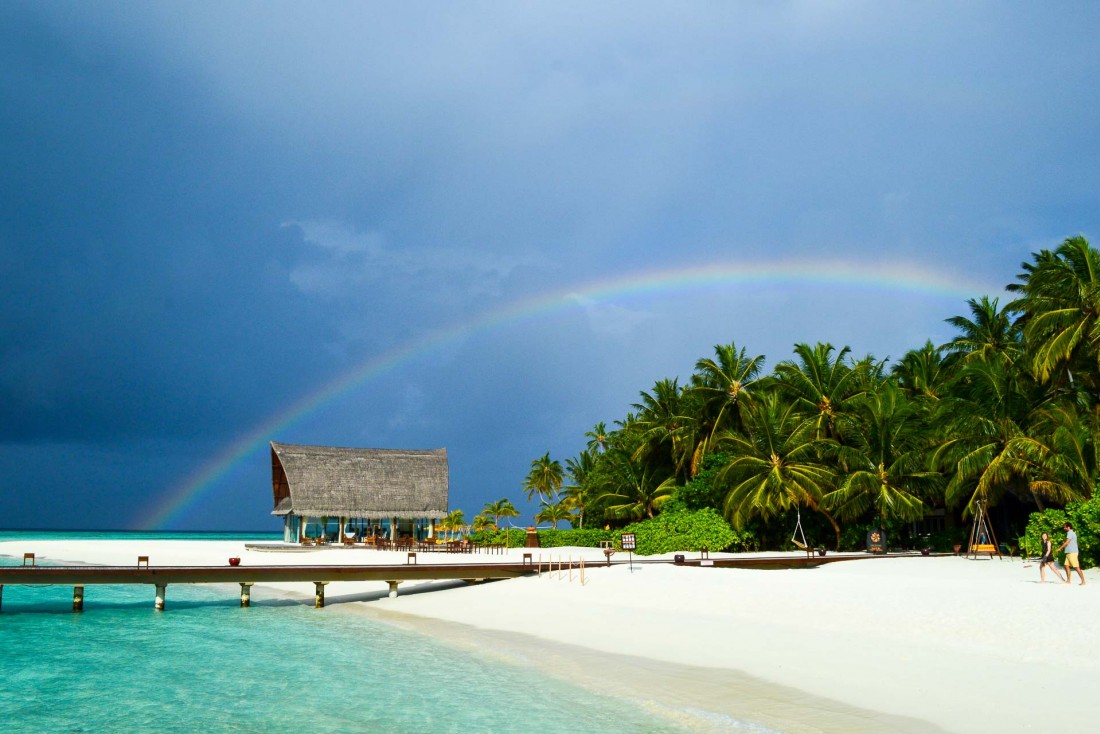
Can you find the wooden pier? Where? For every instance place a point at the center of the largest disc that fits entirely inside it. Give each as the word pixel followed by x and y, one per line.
pixel 160 577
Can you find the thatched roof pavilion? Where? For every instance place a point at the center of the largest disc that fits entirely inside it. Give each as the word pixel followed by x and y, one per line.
pixel 358 484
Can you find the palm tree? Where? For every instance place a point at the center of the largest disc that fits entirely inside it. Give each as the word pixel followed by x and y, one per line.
pixel 1060 454
pixel 820 384
pixel 1060 309
pixel 454 520
pixel 724 384
pixel 554 513
pixel 665 424
pixel 500 508
pixel 990 334
pixel 986 411
pixel 775 464
pixel 598 438
pixel 883 460
pixel 635 491
pixel 544 479
pixel 580 470
pixel 923 373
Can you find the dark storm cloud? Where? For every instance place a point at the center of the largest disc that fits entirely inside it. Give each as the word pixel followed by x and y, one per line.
pixel 208 210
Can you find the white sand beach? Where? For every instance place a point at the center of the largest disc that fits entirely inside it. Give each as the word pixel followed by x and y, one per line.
pixel 890 644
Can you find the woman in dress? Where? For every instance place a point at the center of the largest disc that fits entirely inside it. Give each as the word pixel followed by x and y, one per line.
pixel 1047 559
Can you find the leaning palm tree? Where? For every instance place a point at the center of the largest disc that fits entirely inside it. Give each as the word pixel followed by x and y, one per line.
pixel 500 508
pixel 544 479
pixel 775 465
pixel 554 513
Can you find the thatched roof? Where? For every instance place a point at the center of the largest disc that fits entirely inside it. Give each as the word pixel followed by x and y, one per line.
pixel 316 481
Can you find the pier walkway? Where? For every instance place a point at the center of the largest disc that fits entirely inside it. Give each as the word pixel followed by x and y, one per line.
pixel 161 576
pixel 392 574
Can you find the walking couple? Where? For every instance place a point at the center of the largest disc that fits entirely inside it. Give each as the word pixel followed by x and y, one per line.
pixel 1070 546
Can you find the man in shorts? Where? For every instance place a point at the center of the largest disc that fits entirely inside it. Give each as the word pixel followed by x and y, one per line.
pixel 1071 553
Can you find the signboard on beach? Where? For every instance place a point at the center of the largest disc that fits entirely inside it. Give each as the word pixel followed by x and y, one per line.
pixel 628 541
pixel 876 541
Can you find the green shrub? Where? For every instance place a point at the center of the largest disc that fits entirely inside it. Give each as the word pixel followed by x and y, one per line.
pixel 1085 517
pixel 683 530
pixel 586 538
pixel 512 537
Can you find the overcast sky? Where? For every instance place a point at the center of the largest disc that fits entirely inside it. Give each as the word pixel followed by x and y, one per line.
pixel 211 211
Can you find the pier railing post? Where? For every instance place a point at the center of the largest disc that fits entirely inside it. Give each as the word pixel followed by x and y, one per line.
pixel 246 594
pixel 319 600
pixel 159 603
pixel 78 598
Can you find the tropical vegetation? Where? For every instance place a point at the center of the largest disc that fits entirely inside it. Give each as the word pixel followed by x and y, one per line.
pixel 1006 415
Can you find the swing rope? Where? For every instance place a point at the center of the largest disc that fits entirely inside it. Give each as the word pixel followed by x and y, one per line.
pixel 798 531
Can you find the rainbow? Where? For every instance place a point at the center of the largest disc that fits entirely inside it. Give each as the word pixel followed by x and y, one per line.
pixel 895 278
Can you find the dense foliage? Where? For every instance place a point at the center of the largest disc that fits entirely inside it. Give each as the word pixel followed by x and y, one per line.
pixel 683 530
pixel 1006 413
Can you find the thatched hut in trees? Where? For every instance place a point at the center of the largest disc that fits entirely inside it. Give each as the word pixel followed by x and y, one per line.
pixel 338 493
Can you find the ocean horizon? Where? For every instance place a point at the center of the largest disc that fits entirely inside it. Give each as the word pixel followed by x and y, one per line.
pixel 208 665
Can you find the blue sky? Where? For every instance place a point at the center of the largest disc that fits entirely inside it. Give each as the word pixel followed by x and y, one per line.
pixel 210 211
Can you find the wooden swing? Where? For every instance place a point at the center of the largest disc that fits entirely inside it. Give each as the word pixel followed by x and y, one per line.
pixel 982 539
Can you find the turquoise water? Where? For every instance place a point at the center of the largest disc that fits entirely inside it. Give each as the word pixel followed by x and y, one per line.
pixel 206 665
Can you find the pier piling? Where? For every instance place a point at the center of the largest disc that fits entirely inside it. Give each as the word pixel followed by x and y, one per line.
pixel 393 588
pixel 319 601
pixel 1 596
pixel 246 594
pixel 159 603
pixel 78 598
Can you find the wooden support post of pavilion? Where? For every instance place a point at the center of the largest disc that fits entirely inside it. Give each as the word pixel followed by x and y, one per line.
pixel 246 593
pixel 78 598
pixel 158 604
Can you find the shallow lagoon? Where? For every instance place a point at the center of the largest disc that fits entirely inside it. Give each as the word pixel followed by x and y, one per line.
pixel 208 665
